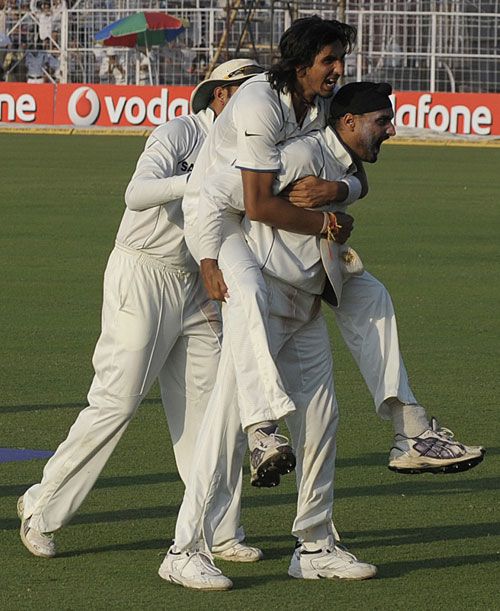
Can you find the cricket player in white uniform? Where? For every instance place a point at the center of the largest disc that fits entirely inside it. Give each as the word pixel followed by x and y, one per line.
pixel 256 120
pixel 157 322
pixel 295 278
pixel 247 136
pixel 291 265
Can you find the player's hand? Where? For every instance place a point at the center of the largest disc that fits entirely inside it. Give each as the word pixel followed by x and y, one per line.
pixel 311 191
pixel 213 279
pixel 346 223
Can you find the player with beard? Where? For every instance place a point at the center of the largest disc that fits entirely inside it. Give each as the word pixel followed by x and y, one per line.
pixel 293 267
pixel 292 99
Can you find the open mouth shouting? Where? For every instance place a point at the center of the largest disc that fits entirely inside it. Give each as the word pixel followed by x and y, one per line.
pixel 330 82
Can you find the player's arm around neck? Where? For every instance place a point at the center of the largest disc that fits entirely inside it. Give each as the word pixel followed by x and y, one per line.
pixel 263 206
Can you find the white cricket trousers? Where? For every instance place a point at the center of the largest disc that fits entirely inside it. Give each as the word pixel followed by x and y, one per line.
pixel 156 323
pixel 367 322
pixel 261 393
pixel 300 344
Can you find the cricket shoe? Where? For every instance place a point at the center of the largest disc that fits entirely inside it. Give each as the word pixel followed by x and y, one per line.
pixel 240 552
pixel 195 570
pixel 38 543
pixel 332 562
pixel 270 457
pixel 433 451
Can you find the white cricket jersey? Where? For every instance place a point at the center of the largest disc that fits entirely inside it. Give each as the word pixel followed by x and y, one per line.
pixel 153 220
pixel 255 121
pixel 292 257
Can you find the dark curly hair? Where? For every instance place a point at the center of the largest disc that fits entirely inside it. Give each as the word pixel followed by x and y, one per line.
pixel 300 44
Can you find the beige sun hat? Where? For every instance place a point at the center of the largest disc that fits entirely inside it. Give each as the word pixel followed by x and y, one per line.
pixel 232 72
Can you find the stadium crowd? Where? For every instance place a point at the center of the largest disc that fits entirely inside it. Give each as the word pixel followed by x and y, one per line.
pixel 30 33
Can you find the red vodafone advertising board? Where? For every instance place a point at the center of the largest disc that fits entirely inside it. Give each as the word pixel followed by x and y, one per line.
pixel 112 105
pixel 454 113
pixel 89 105
pixel 135 106
pixel 27 104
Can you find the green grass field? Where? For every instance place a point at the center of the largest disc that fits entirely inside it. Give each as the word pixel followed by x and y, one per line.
pixel 428 229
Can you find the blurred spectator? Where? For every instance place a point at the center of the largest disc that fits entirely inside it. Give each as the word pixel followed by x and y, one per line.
pixel 4 38
pixel 199 64
pixel 41 66
pixel 49 18
pixel 58 7
pixel 145 68
pixel 13 67
pixel 12 9
pixel 187 54
pixel 3 19
pixel 111 69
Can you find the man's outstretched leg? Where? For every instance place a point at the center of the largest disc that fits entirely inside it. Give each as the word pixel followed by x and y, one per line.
pixel 367 321
pixel 214 477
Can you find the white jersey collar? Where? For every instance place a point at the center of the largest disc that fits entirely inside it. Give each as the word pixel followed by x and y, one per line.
pixel 312 112
pixel 207 117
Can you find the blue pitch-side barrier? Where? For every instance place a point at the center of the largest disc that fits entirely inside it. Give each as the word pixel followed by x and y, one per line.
pixel 17 454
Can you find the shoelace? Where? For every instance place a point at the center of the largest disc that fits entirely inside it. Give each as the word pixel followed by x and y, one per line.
pixel 277 438
pixel 204 562
pixel 341 551
pixel 444 432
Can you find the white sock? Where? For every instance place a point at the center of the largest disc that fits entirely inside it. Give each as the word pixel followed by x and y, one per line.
pixel 408 420
pixel 317 538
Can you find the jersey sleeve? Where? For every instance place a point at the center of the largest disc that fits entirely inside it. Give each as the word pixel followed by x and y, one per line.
pixel 299 157
pixel 156 180
pixel 258 120
pixel 219 197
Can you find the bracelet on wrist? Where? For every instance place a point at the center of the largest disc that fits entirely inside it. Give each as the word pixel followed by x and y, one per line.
pixel 333 227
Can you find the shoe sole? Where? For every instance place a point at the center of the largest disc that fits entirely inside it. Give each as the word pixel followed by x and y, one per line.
pixel 268 473
pixel 314 575
pixel 236 558
pixel 456 467
pixel 171 579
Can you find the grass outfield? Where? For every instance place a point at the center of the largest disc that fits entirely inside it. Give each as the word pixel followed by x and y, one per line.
pixel 428 229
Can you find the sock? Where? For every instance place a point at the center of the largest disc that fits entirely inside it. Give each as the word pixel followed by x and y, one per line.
pixel 408 420
pixel 267 426
pixel 317 538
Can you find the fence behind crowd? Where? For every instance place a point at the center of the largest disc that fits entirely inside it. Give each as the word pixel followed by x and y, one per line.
pixel 423 45
pixel 430 47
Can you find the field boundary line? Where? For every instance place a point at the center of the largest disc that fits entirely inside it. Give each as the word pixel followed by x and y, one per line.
pixel 445 142
pixel 146 131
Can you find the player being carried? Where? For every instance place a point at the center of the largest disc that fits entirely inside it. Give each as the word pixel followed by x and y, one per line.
pixel 235 173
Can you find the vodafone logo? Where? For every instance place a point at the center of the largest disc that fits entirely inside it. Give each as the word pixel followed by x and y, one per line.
pixel 84 107
pixel 424 112
pixel 87 106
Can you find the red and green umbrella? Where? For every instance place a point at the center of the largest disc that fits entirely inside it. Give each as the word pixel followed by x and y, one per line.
pixel 142 30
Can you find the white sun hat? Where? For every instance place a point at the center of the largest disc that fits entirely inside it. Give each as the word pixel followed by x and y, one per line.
pixel 231 72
